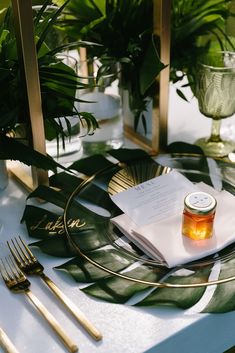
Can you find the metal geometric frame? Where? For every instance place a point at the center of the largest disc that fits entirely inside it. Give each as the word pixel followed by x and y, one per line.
pixel 24 31
pixel 158 142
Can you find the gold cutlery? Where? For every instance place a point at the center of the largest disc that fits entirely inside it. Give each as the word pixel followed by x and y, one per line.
pixel 30 265
pixel 6 343
pixel 16 281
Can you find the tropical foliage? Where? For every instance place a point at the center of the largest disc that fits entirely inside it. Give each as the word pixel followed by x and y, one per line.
pixel 58 83
pixel 92 234
pixel 196 28
pixel 124 28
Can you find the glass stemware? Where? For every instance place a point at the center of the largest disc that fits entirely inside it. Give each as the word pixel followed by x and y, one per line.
pixel 215 91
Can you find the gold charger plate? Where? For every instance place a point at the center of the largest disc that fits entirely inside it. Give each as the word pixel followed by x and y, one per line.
pixel 91 202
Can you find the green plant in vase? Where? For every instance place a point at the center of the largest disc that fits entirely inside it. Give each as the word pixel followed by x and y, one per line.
pixel 124 29
pixel 196 28
pixel 58 88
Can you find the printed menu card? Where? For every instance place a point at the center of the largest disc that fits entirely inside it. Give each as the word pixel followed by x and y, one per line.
pixel 152 219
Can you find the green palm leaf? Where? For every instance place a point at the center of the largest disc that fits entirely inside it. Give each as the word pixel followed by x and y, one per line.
pixel 185 298
pixel 12 149
pixel 91 238
pixel 85 272
pixel 117 290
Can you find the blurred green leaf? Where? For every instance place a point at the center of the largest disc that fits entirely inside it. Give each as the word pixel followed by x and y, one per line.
pixel 12 149
pixel 196 28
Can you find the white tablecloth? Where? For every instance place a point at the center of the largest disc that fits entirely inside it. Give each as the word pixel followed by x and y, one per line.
pixel 125 329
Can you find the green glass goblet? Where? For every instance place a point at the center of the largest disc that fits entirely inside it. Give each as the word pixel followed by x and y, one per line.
pixel 215 91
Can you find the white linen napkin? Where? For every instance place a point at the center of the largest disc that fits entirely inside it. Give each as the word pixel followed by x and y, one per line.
pixel 163 240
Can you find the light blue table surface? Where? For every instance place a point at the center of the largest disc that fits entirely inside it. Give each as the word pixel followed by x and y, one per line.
pixel 125 329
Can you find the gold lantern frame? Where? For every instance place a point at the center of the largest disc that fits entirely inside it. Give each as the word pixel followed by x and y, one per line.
pixel 24 28
pixel 158 141
pixel 24 31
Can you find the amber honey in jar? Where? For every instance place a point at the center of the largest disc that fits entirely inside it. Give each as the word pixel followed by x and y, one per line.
pixel 198 215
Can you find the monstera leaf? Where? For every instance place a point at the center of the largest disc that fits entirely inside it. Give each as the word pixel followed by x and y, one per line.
pixel 98 256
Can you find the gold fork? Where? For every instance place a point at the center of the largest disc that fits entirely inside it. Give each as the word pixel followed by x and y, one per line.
pixel 29 264
pixel 17 282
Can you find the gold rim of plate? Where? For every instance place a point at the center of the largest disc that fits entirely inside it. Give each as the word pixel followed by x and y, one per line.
pixel 123 179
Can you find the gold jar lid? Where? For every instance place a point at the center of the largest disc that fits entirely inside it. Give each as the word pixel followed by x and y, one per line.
pixel 200 203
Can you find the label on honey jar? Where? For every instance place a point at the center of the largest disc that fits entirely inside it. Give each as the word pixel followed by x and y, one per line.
pixel 200 203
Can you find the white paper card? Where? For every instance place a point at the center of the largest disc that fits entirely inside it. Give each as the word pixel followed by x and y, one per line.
pixel 164 240
pixel 156 199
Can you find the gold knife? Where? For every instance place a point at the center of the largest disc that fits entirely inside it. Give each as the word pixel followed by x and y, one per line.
pixel 6 343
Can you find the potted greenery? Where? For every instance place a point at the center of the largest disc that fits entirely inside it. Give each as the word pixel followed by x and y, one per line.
pixel 124 30
pixel 58 87
pixel 196 28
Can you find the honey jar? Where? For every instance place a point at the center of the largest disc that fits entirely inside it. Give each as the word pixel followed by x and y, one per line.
pixel 198 215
